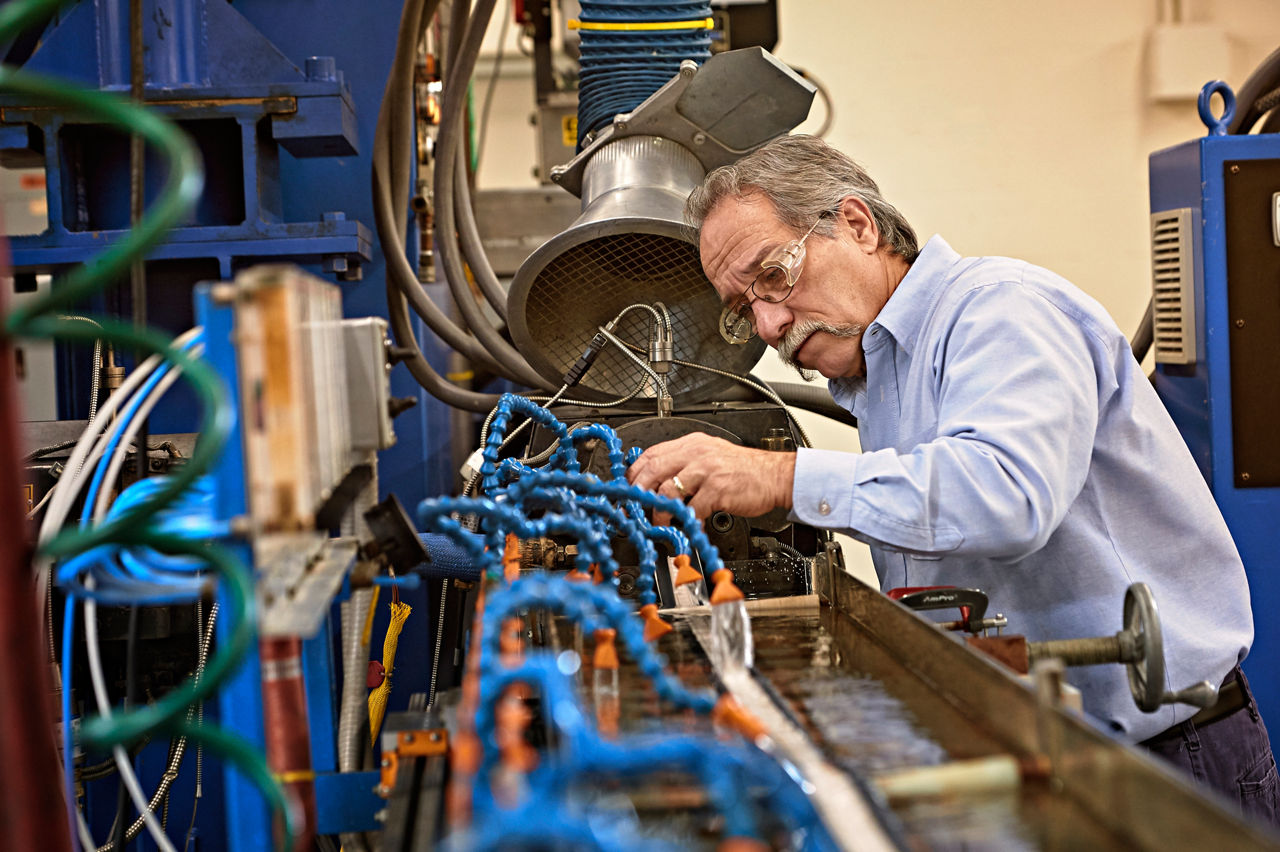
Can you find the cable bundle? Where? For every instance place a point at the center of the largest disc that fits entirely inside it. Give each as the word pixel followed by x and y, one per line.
pixel 628 50
pixel 136 531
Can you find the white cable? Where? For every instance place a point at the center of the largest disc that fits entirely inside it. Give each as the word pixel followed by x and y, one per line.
pixel 87 451
pixel 82 828
pixel 82 463
pixel 123 764
pixel 131 430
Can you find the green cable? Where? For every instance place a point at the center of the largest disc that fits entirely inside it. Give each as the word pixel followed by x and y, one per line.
pixel 243 755
pixel 101 733
pixel 17 15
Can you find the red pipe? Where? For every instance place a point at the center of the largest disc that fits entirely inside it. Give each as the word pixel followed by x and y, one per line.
pixel 33 812
pixel 288 734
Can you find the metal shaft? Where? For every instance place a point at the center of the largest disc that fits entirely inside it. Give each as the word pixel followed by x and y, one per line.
pixel 1079 652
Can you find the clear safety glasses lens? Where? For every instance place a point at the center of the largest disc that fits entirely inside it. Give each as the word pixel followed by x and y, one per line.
pixel 779 272
pixel 737 322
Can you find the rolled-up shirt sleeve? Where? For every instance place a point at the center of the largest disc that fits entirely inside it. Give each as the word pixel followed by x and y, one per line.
pixel 1017 382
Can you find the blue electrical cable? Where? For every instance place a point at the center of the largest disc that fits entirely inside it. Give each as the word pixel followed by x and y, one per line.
pixel 68 755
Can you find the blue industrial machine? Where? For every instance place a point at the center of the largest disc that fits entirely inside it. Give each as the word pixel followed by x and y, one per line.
pixel 1215 225
pixel 281 103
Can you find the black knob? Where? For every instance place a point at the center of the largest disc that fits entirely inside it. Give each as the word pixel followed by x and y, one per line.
pixel 398 405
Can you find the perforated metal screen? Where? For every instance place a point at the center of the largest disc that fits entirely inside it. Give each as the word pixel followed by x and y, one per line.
pixel 587 284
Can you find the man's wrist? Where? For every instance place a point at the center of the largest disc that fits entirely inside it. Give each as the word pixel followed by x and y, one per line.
pixel 786 479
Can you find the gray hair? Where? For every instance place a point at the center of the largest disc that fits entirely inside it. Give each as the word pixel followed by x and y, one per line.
pixel 804 177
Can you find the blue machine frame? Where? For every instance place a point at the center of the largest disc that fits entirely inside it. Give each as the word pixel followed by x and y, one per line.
pixel 345 802
pixel 1191 175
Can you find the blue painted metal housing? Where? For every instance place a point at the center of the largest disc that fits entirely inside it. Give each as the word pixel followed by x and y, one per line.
pixel 281 97
pixel 234 92
pixel 1199 399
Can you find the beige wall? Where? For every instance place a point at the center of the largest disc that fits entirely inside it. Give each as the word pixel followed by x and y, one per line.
pixel 1012 127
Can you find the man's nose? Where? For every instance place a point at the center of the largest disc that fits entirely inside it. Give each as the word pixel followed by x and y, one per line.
pixel 772 320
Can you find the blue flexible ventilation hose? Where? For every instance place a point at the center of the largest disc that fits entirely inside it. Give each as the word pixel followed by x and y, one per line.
pixel 620 67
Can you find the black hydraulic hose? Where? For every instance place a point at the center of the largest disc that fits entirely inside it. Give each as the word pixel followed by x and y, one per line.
pixel 1272 124
pixel 454 102
pixel 1146 333
pixel 403 277
pixel 472 247
pixel 813 398
pixel 1263 79
pixel 391 169
pixel 422 371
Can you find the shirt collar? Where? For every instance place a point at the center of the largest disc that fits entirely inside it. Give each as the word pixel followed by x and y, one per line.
pixel 905 312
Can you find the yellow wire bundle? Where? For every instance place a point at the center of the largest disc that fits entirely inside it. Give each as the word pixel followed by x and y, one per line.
pixel 378 698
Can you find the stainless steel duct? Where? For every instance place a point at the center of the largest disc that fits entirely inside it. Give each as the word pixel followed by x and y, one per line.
pixel 631 246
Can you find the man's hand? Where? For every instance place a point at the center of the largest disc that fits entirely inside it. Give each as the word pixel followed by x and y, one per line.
pixel 717 475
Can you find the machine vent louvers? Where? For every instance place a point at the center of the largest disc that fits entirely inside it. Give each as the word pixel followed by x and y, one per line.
pixel 1173 287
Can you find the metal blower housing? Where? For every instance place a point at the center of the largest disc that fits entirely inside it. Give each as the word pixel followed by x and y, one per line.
pixel 631 244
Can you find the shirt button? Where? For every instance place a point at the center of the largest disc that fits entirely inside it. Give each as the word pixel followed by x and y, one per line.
pixel 824 508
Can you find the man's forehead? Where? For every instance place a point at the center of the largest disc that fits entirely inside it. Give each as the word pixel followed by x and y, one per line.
pixel 737 226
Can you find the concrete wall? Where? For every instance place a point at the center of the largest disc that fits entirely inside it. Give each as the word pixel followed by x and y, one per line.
pixel 1010 127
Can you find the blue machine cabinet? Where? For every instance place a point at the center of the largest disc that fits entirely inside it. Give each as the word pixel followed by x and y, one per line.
pixel 1227 185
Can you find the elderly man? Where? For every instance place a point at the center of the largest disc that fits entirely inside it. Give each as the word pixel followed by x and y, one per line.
pixel 1010 441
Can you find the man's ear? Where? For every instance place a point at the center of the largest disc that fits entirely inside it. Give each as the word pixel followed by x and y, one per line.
pixel 854 216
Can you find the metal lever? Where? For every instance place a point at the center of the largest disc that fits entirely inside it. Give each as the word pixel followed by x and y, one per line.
pixel 1202 694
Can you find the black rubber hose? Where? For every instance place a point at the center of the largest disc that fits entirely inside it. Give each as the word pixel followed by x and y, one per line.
pixel 1272 123
pixel 813 398
pixel 421 370
pixel 473 248
pixel 1263 79
pixel 395 162
pixel 392 165
pixel 447 149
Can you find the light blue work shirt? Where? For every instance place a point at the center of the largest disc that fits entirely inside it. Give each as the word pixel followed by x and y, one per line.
pixel 1012 444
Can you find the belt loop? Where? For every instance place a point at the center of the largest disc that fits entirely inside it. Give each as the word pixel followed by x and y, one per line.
pixel 1248 694
pixel 1191 735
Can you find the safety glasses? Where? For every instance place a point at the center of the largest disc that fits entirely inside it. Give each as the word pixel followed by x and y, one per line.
pixel 778 274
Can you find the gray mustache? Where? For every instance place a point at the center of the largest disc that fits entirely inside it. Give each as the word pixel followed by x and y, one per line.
pixel 798 334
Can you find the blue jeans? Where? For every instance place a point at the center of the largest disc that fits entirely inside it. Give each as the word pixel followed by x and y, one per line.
pixel 1231 754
